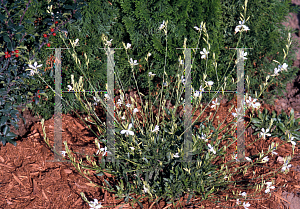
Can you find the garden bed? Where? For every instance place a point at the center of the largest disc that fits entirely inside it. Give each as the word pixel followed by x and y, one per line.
pixel 46 184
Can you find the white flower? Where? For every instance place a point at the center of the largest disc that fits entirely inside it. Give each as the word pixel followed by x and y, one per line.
pixel 265 159
pixel 97 100
pixel 237 160
pixel 128 105
pixel 274 153
pixel 146 190
pixel 244 55
pixel 132 148
pixel 215 104
pixel 123 117
pixel 264 133
pixel 31 72
pixel 238 201
pixel 203 136
pixel 257 105
pixel 106 96
pixel 244 194
pixel 103 150
pixel 234 114
pixel 251 102
pixel 249 159
pixel 182 79
pixel 273 150
pixel 63 153
pixel 149 54
pixel 76 41
pixel 246 205
pixel 128 46
pixel 269 187
pixel 238 113
pixel 120 102
pixel 268 183
pixel 283 67
pixel 293 143
pixel 133 63
pixel 176 155
pixel 70 88
pixel 209 83
pixel 135 110
pixel 276 71
pixel 204 53
pixel 109 42
pixel 211 149
pixel 197 28
pixel 286 166
pixel 127 131
pixel 150 74
pixel 197 94
pixel 34 67
pixel 95 205
pixel 291 139
pixel 156 129
pixel 162 25
pixel 241 27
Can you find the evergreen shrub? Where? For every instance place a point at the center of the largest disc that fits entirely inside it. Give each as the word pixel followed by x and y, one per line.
pixel 137 23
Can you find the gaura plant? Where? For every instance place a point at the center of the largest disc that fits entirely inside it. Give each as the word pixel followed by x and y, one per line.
pixel 147 156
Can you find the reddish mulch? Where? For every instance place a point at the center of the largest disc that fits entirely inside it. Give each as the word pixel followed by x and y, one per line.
pixel 28 180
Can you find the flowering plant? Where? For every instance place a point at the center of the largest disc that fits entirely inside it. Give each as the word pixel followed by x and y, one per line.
pixel 149 157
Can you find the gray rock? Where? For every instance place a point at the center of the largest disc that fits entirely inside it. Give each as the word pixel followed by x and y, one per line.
pixel 292 198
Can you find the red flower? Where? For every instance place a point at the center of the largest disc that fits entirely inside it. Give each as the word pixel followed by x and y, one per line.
pixel 16 55
pixel 5 52
pixel 56 22
pixel 9 55
pixel 6 56
pixel 52 29
pixel 12 52
pixel 54 34
pixel 48 45
pixel 45 35
pixel 17 51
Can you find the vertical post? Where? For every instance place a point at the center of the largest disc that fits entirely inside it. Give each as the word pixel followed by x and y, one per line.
pixel 57 107
pixel 240 106
pixel 110 125
pixel 188 141
pixel 110 106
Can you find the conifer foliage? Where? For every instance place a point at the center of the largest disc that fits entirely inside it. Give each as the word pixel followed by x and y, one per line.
pixel 137 22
